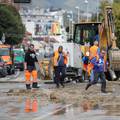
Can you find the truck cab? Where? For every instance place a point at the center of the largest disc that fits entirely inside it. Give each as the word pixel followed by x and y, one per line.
pixel 6 55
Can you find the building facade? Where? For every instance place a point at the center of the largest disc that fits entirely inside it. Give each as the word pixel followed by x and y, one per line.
pixel 44 22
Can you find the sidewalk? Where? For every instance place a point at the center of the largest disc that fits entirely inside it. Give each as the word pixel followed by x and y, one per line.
pixel 11 80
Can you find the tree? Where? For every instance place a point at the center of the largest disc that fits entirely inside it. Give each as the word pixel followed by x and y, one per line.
pixel 11 25
pixel 102 8
pixel 116 12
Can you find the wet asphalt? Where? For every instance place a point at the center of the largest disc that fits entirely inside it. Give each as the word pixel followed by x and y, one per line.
pixel 34 107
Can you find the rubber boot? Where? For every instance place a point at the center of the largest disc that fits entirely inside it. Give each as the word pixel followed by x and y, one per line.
pixel 103 87
pixel 28 87
pixel 88 85
pixel 35 85
pixel 62 84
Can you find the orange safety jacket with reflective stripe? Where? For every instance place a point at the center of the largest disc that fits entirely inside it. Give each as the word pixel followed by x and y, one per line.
pixel 55 58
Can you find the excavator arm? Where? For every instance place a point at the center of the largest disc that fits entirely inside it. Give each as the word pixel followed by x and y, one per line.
pixel 108 40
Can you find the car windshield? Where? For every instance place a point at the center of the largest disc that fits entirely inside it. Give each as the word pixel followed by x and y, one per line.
pixel 18 54
pixel 4 52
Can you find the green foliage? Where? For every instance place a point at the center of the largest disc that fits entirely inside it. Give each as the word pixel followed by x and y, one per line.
pixel 11 24
pixel 116 12
pixel 102 8
pixel 116 1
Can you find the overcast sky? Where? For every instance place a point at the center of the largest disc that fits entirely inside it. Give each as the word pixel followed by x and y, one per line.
pixel 66 4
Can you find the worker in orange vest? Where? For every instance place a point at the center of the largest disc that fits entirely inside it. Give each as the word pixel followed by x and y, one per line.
pixel 30 68
pixel 94 52
pixel 60 61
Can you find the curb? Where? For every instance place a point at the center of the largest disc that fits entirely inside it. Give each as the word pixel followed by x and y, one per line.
pixel 39 81
pixel 6 81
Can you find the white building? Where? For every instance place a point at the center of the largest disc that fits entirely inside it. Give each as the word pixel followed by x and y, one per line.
pixel 41 22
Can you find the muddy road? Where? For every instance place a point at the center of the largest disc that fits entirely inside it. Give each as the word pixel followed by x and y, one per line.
pixel 69 103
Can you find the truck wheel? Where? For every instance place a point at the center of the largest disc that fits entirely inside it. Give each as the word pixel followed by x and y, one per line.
pixel 3 74
pixel 9 72
pixel 13 71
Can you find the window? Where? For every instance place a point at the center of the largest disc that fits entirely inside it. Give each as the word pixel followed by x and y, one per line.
pixel 4 52
pixel 85 33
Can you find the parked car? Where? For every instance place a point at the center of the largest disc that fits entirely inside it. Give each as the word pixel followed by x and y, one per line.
pixel 19 59
pixel 6 53
pixel 3 69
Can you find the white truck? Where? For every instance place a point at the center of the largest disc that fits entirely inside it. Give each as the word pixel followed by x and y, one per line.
pixel 74 66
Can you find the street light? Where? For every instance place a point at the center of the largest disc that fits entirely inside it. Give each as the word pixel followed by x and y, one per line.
pixel 68 16
pixel 72 27
pixel 78 13
pixel 86 2
pixel 71 12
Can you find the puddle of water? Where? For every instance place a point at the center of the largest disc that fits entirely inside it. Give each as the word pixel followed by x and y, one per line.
pixel 22 107
pixel 27 107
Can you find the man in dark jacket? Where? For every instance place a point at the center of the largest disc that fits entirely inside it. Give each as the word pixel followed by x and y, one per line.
pixel 30 69
pixel 98 70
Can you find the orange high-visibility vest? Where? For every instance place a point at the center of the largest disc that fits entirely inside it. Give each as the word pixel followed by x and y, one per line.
pixel 89 68
pixel 55 58
pixel 93 51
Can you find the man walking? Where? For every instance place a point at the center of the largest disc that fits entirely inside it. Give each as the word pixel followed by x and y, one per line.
pixel 98 70
pixel 60 61
pixel 30 69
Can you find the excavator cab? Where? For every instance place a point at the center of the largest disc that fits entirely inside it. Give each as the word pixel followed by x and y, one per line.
pixel 85 34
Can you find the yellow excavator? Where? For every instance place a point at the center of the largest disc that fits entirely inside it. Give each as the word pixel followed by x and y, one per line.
pixel 85 33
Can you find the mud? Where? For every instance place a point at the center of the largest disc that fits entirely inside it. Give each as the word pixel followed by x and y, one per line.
pixel 14 100
pixel 91 99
